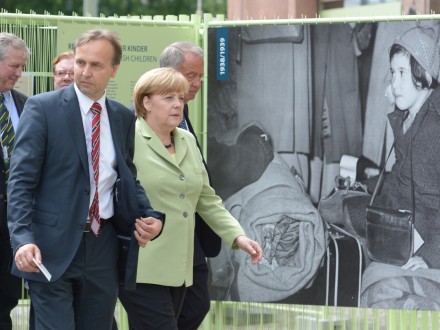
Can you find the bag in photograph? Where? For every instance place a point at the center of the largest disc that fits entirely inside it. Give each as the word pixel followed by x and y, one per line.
pixel 389 235
pixel 331 205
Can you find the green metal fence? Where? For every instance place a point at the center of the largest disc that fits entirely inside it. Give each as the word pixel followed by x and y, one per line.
pixel 256 316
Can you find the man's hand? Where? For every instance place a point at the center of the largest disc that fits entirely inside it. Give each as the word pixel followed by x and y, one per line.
pixel 23 258
pixel 146 230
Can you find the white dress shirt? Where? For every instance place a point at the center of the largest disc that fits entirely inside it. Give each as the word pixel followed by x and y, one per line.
pixel 107 155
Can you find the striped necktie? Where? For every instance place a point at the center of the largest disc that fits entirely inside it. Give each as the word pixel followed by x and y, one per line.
pixel 95 220
pixel 7 132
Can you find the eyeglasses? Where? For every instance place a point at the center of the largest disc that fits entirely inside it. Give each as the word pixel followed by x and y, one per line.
pixel 62 74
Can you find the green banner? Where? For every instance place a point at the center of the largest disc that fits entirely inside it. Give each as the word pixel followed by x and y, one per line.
pixel 141 48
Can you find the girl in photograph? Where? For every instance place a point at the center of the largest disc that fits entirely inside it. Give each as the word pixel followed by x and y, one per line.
pixel 414 66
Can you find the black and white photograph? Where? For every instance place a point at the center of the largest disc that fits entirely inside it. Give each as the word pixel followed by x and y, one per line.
pixel 324 142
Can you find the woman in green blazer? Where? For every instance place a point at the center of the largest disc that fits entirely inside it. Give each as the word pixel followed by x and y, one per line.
pixel 170 167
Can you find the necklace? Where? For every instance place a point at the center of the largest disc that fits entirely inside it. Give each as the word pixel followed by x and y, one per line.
pixel 170 144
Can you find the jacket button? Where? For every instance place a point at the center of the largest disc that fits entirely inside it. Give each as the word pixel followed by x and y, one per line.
pixel 87 191
pixel 81 226
pixel 182 177
pixel 185 214
pixel 182 196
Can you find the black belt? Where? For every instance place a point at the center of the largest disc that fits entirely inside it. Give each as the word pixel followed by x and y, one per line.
pixel 88 225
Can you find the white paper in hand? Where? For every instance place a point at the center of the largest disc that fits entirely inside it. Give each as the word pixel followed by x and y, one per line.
pixel 43 270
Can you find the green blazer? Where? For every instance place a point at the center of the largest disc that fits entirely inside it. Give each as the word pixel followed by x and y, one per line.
pixel 178 186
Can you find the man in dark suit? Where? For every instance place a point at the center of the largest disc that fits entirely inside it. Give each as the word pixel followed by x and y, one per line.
pixel 13 57
pixel 187 58
pixel 70 148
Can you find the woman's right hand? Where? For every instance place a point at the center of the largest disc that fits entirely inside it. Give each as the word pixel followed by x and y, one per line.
pixel 250 247
pixel 415 263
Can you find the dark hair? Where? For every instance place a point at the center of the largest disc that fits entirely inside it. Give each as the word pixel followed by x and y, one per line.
pixel 418 73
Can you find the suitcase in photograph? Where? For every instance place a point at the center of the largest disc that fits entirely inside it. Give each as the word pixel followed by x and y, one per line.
pixel 344 266
pixel 338 280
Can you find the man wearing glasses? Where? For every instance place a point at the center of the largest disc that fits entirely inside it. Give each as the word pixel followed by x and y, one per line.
pixel 63 70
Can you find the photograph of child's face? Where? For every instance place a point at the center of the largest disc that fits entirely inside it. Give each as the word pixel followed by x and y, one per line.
pixel 406 93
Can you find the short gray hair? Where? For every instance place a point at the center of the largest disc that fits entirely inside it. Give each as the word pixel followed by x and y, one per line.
pixel 174 55
pixel 8 40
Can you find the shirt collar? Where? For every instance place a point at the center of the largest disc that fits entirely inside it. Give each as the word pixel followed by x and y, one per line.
pixel 7 95
pixel 85 103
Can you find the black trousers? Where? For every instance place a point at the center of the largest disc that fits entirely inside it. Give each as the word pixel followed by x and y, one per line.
pixel 10 285
pixel 85 296
pixel 197 301
pixel 152 307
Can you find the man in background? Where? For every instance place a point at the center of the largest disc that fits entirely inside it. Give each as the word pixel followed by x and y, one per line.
pixel 62 68
pixel 13 57
pixel 187 58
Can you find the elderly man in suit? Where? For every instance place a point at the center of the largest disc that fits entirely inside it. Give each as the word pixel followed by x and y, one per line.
pixel 61 209
pixel 13 57
pixel 187 58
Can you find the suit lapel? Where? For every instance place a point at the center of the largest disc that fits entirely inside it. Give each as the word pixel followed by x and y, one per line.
pixel 156 145
pixel 181 146
pixel 186 116
pixel 19 101
pixel 114 117
pixel 191 129
pixel 75 124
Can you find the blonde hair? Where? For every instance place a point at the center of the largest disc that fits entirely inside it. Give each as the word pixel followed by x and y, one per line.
pixel 157 81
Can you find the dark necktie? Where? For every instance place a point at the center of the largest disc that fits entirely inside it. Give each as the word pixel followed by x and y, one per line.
pixel 183 124
pixel 95 219
pixel 7 132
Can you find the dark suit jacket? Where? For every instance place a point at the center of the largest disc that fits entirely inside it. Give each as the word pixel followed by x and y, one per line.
pixel 49 186
pixel 19 100
pixel 206 242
